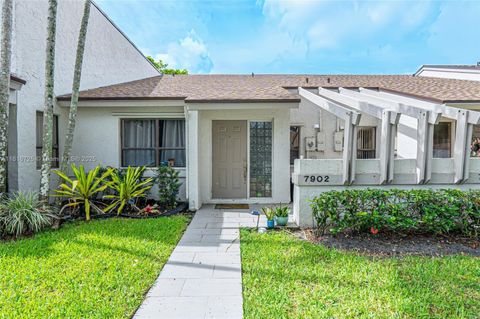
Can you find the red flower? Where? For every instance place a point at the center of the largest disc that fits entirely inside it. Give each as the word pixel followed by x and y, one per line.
pixel 148 209
pixel 373 230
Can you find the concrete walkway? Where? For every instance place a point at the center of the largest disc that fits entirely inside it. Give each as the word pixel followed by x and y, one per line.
pixel 203 276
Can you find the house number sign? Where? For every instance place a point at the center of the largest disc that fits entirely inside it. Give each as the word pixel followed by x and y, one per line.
pixel 315 179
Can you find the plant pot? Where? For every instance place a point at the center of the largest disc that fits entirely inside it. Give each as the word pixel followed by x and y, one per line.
pixel 270 224
pixel 281 221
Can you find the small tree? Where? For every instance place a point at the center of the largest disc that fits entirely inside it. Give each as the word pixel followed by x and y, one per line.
pixel 168 186
pixel 163 67
pixel 49 97
pixel 5 59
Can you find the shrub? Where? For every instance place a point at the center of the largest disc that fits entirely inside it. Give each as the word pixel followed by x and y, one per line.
pixel 442 211
pixel 127 186
pixel 23 213
pixel 168 186
pixel 83 189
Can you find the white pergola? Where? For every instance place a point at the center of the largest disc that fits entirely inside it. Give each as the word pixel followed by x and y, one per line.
pixel 350 104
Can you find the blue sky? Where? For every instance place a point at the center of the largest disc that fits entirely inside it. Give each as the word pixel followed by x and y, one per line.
pixel 296 36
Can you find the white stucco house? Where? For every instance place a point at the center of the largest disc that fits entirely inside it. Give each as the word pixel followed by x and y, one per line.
pixel 243 138
pixel 236 136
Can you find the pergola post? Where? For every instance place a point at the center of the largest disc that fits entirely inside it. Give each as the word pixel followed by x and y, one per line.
pixel 460 151
pixel 385 149
pixel 348 168
pixel 391 153
pixel 466 171
pixel 422 147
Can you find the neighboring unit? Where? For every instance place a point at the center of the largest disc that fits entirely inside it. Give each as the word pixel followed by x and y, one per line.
pixel 461 72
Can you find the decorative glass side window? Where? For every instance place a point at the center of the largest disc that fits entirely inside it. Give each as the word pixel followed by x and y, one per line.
pixel 260 159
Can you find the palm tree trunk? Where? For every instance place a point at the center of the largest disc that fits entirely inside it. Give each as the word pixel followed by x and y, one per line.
pixel 5 60
pixel 77 73
pixel 49 97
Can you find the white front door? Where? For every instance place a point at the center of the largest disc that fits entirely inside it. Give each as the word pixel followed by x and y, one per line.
pixel 229 164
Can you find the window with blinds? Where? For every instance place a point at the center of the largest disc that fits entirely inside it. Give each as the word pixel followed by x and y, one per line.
pixel 151 142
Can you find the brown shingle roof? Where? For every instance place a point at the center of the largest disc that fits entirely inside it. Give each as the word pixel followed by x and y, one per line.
pixel 248 88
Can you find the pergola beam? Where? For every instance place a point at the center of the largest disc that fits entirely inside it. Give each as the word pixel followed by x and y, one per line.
pixel 352 119
pixel 361 106
pixel 330 106
pixel 406 107
pixel 371 106
pixel 446 110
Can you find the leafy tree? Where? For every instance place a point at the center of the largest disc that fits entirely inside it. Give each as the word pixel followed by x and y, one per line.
pixel 163 67
pixel 5 59
pixel 49 98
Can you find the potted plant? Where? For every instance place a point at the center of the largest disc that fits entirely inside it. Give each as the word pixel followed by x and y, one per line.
pixel 281 215
pixel 270 214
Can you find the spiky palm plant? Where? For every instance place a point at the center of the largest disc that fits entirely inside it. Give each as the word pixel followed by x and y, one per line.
pixel 127 187
pixel 23 213
pixel 83 188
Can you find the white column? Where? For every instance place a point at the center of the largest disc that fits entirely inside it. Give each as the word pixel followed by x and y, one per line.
pixel 429 153
pixel 349 148
pixel 422 146
pixel 460 152
pixel 385 146
pixel 466 166
pixel 193 182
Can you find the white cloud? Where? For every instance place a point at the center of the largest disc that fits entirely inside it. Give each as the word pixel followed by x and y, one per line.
pixel 329 24
pixel 189 53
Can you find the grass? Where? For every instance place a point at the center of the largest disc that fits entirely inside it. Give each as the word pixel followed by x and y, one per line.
pixel 284 277
pixel 99 269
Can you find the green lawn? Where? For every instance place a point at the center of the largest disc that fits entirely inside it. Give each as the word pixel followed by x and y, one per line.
pixel 284 277
pixel 99 269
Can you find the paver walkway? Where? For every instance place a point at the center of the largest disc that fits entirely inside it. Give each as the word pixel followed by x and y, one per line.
pixel 203 276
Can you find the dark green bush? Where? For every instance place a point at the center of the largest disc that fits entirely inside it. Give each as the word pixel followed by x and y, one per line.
pixel 444 211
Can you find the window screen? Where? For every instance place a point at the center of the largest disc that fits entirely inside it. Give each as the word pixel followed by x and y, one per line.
pixel 366 142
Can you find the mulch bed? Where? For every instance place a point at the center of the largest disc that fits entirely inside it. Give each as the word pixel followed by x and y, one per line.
pixel 181 208
pixel 396 245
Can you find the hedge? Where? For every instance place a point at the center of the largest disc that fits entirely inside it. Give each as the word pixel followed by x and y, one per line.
pixel 444 211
